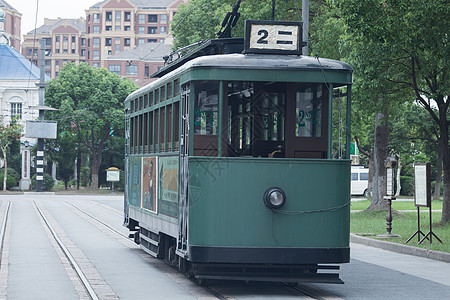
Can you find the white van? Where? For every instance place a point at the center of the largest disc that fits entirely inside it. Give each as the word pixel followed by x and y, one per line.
pixel 359 181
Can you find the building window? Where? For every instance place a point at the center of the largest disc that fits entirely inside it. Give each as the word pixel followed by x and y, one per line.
pixel 163 19
pixel 117 40
pixel 48 42
pixel 16 110
pixel 127 42
pixel 117 48
pixel 152 30
pixel 57 38
pixel 96 54
pixel 73 39
pixel 118 28
pixel 96 65
pixel 127 28
pixel 152 40
pixel 108 16
pixel 141 42
pixel 65 51
pixel 108 28
pixel 141 19
pixel 114 69
pixel 147 71
pixel 65 38
pixel 73 51
pixel 83 52
pixel 141 30
pixel 152 18
pixel 96 29
pixel 162 29
pixel 56 51
pixel 83 42
pixel 108 42
pixel 127 16
pixel 96 18
pixel 96 42
pixel 118 16
pixel 132 70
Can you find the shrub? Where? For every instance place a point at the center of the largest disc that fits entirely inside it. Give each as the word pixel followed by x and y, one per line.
pixel 47 184
pixel 407 185
pixel 10 181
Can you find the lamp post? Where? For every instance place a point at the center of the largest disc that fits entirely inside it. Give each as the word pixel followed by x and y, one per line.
pixel 390 166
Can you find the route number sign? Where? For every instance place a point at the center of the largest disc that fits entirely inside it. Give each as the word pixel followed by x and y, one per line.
pixel 273 37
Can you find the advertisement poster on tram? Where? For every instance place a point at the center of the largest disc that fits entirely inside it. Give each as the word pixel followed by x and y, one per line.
pixel 149 183
pixel 134 181
pixel 168 185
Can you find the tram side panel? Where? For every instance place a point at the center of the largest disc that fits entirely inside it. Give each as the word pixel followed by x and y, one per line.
pixel 229 222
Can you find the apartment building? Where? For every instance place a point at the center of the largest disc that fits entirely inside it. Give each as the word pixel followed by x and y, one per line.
pixel 110 27
pixel 12 24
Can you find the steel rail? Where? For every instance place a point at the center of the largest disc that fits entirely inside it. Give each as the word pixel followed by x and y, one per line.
pixel 69 256
pixel 3 230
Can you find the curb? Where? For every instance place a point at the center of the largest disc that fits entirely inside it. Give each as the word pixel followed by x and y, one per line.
pixel 404 249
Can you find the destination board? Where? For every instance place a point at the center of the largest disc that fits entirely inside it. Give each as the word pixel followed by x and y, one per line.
pixel 273 37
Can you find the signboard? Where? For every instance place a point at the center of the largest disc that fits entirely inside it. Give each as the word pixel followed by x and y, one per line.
pixel 273 37
pixel 41 129
pixel 422 185
pixel 112 174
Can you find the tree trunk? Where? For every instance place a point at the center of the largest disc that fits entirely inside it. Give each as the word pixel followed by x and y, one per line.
pixel 5 175
pixel 380 155
pixel 95 166
pixel 443 128
pixel 399 184
pixel 437 186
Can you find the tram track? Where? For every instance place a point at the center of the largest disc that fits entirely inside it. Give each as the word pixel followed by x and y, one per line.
pixel 85 271
pixel 300 290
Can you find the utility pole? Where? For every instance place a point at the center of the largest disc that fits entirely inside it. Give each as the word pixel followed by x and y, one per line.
pixel 40 148
pixel 305 18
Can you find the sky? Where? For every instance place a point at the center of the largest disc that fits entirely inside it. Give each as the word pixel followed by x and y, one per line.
pixel 52 9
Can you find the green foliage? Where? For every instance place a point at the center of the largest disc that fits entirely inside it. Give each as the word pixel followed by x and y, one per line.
pixel 202 19
pixel 10 181
pixel 90 103
pixel 407 183
pixel 48 182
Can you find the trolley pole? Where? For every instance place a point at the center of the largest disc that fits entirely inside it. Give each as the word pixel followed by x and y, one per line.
pixel 305 18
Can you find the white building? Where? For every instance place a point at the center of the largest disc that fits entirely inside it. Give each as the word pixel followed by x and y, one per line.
pixel 18 94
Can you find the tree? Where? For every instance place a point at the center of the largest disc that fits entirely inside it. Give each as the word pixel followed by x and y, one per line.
pixel 8 133
pixel 90 101
pixel 201 20
pixel 414 37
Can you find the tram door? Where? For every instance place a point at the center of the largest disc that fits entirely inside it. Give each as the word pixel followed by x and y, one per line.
pixel 184 171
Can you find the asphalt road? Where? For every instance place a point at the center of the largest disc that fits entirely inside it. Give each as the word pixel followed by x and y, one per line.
pixel 33 265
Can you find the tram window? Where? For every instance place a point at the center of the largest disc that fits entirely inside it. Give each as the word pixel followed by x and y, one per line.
pixel 308 111
pixel 150 130
pixel 145 100
pixel 256 118
pixel 156 130
pixel 163 93
pixel 145 142
pixel 162 129
pixel 176 125
pixel 141 130
pixel 141 102
pixel 169 128
pixel 156 96
pixel 150 99
pixel 132 106
pixel 169 90
pixel 132 131
pixel 176 86
pixel 206 107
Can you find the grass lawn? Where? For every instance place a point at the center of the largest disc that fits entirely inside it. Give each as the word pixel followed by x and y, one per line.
pixel 404 224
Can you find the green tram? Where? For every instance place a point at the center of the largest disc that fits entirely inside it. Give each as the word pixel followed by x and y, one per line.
pixel 237 168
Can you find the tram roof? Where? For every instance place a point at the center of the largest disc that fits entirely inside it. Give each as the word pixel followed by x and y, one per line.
pixel 266 62
pixel 252 62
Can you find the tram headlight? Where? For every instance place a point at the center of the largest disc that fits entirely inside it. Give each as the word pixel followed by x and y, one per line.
pixel 274 198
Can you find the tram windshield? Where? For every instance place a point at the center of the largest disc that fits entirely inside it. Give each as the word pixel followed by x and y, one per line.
pixel 261 119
